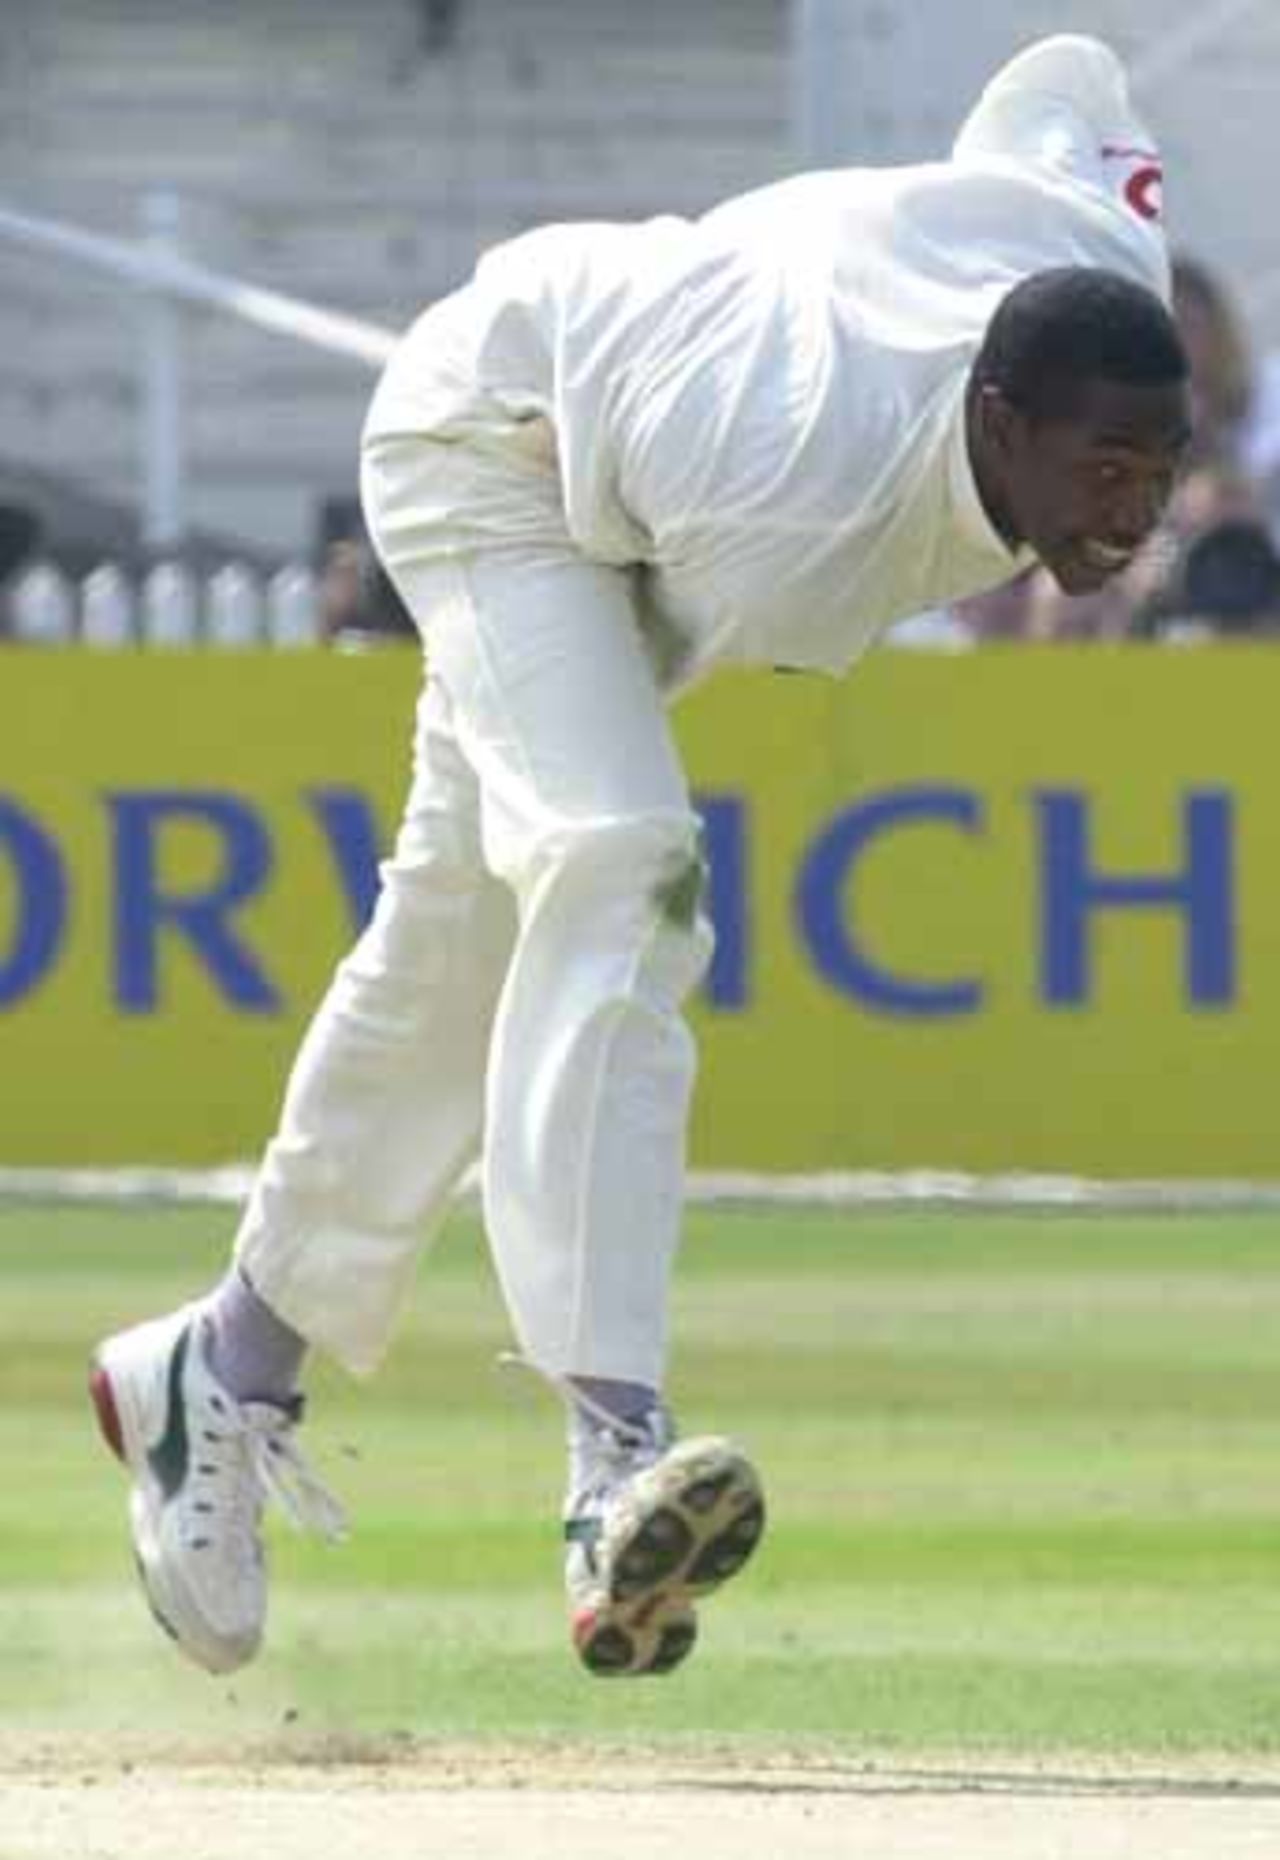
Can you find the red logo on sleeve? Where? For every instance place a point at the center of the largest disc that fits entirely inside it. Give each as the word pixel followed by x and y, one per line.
pixel 1143 189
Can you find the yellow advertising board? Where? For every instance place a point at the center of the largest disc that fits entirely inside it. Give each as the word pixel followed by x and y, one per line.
pixel 1018 909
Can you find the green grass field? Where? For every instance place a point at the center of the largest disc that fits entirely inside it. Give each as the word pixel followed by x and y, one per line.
pixel 1024 1476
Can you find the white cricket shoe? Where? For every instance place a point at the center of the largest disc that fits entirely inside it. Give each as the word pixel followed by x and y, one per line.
pixel 203 1466
pixel 652 1528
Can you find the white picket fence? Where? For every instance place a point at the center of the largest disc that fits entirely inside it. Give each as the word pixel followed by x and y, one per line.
pixel 167 606
pixel 237 609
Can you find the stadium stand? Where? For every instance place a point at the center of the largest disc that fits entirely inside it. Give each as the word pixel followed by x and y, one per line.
pixel 359 156
pixel 362 156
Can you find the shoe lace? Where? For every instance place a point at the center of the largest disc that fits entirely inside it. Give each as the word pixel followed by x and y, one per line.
pixel 616 1448
pixel 283 1474
pixel 261 1436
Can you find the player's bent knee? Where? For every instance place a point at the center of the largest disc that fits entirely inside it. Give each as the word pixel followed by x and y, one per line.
pixel 653 860
pixel 636 882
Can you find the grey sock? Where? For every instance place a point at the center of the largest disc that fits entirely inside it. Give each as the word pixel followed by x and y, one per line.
pixel 625 1401
pixel 254 1354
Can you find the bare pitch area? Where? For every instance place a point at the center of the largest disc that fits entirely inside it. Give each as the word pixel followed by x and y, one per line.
pixel 68 1799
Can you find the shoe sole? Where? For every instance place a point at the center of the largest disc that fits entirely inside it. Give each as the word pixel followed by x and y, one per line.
pixel 693 1522
pixel 122 1429
pixel 623 1644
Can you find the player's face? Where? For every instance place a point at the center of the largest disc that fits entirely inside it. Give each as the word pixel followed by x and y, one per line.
pixel 1085 490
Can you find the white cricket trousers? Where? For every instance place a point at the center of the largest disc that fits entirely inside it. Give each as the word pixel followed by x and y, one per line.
pixel 518 991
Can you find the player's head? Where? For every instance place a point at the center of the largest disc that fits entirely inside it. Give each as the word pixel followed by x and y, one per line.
pixel 1078 416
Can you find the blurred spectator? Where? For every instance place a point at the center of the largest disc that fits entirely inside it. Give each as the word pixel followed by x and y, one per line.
pixel 1227 586
pixel 1214 532
pixel 1220 568
pixel 340 591
pixel 1235 395
pixel 1210 494
pixel 1221 366
pixel 19 539
pixel 357 602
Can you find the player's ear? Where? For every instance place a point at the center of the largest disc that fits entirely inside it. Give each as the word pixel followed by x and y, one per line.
pixel 998 418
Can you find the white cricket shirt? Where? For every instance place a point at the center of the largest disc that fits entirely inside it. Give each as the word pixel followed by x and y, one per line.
pixel 766 405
